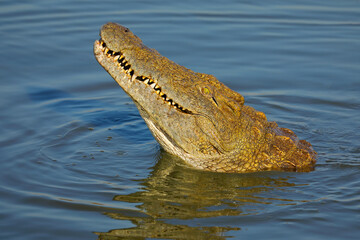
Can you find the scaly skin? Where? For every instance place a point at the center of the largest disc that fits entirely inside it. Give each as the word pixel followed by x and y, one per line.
pixel 193 115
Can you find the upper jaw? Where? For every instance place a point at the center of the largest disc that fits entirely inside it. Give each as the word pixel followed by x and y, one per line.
pixel 171 79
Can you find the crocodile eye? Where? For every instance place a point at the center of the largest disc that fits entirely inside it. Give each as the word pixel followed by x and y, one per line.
pixel 205 91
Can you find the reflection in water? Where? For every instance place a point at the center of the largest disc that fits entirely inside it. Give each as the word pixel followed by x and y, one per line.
pixel 174 197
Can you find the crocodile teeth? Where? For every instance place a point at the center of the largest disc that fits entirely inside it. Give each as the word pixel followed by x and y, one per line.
pixel 125 66
pixel 121 58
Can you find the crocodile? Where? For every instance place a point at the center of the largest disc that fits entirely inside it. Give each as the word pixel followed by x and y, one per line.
pixel 193 115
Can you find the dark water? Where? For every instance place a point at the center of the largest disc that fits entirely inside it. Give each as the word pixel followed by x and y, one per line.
pixel 78 162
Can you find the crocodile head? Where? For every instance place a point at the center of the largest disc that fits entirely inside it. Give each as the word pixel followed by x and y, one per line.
pixel 192 115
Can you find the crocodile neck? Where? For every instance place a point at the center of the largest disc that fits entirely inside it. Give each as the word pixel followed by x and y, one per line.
pixel 193 115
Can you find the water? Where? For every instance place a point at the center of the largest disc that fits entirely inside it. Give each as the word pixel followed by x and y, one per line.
pixel 78 162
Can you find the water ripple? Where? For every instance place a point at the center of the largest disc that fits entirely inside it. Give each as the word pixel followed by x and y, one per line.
pixel 78 161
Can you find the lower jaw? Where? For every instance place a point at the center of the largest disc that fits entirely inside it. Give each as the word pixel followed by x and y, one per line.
pixel 117 66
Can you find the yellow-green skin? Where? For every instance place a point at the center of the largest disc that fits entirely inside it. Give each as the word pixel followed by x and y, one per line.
pixel 193 115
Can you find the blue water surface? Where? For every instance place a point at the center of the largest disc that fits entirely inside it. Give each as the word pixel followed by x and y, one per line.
pixel 78 162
